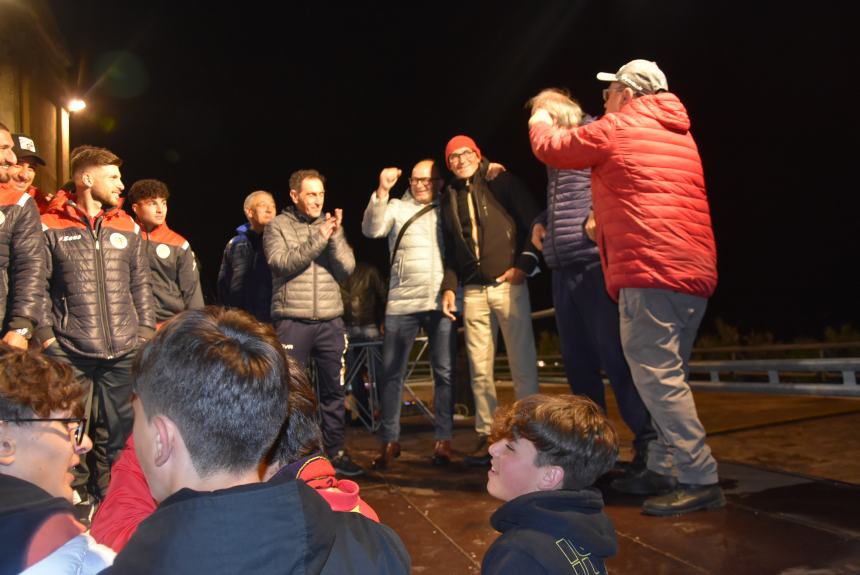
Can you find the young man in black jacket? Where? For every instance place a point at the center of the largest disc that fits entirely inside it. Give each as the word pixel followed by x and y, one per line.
pixel 100 304
pixel 548 450
pixel 212 394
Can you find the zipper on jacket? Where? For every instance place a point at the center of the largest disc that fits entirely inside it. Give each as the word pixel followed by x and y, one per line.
pixel 476 250
pixel 314 275
pixel 102 291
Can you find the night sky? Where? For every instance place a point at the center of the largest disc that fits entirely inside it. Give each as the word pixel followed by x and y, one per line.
pixel 218 102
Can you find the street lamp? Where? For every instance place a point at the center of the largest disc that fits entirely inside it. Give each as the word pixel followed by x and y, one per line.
pixel 76 105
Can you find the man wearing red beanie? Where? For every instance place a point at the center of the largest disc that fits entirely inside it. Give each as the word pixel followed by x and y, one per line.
pixel 489 251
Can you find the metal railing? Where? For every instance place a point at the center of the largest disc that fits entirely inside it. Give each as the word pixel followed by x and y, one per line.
pixel 772 368
pixel 825 368
pixel 818 376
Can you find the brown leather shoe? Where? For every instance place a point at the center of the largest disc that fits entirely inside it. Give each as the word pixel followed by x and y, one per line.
pixel 390 451
pixel 442 452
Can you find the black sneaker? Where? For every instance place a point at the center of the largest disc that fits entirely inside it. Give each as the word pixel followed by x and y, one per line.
pixel 344 465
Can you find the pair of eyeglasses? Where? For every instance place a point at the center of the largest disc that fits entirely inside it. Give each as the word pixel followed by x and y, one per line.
pixel 460 156
pixel 79 430
pixel 426 181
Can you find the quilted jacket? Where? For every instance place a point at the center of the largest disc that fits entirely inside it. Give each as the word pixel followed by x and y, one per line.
pixel 648 186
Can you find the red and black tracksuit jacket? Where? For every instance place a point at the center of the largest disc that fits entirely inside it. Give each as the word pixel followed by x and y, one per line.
pixel 98 281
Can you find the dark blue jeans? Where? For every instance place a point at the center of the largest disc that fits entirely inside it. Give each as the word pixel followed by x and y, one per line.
pixel 324 341
pixel 589 329
pixel 400 333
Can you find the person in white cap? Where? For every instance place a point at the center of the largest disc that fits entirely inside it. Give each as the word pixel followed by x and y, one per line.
pixel 22 253
pixel 659 262
pixel 23 178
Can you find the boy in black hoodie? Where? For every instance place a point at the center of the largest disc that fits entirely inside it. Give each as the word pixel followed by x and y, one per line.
pixel 547 452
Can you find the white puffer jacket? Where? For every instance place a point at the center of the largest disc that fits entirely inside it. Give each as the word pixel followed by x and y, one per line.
pixel 416 273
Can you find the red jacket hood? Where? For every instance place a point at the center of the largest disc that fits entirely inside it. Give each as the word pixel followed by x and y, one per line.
pixel 60 204
pixel 664 107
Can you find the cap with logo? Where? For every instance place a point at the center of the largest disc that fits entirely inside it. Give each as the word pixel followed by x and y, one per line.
pixel 25 147
pixel 641 76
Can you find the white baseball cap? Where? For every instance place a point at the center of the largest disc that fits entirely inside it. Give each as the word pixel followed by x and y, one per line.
pixel 642 76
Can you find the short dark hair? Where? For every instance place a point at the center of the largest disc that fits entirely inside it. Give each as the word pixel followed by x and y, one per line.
pixel 35 385
pixel 77 150
pixel 147 190
pixel 299 176
pixel 222 377
pixel 570 431
pixel 302 436
pixel 89 156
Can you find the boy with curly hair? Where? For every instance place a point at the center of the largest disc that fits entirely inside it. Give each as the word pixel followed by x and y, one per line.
pixel 41 440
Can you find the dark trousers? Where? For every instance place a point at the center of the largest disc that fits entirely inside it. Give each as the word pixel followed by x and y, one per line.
pixel 324 342
pixel 110 416
pixel 589 329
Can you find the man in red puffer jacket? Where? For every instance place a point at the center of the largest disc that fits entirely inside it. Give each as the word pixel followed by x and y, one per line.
pixel 659 260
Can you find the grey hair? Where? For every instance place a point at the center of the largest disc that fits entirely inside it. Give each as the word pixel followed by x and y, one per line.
pixel 565 111
pixel 249 201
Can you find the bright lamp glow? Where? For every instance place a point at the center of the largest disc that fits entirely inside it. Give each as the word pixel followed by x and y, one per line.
pixel 76 105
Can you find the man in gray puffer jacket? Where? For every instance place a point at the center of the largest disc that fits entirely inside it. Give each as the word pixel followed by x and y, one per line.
pixel 308 255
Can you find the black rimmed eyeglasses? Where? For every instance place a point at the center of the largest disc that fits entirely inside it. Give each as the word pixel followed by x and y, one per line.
pixel 460 157
pixel 425 181
pixel 79 430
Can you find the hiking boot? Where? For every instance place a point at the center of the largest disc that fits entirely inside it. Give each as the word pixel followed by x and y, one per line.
pixel 685 498
pixel 390 451
pixel 442 452
pixel 480 457
pixel 644 482
pixel 344 465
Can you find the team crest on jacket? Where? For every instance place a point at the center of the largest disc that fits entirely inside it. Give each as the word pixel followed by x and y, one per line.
pixel 162 251
pixel 118 241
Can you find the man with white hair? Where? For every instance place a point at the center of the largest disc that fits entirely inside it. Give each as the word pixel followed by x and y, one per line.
pixel 244 280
